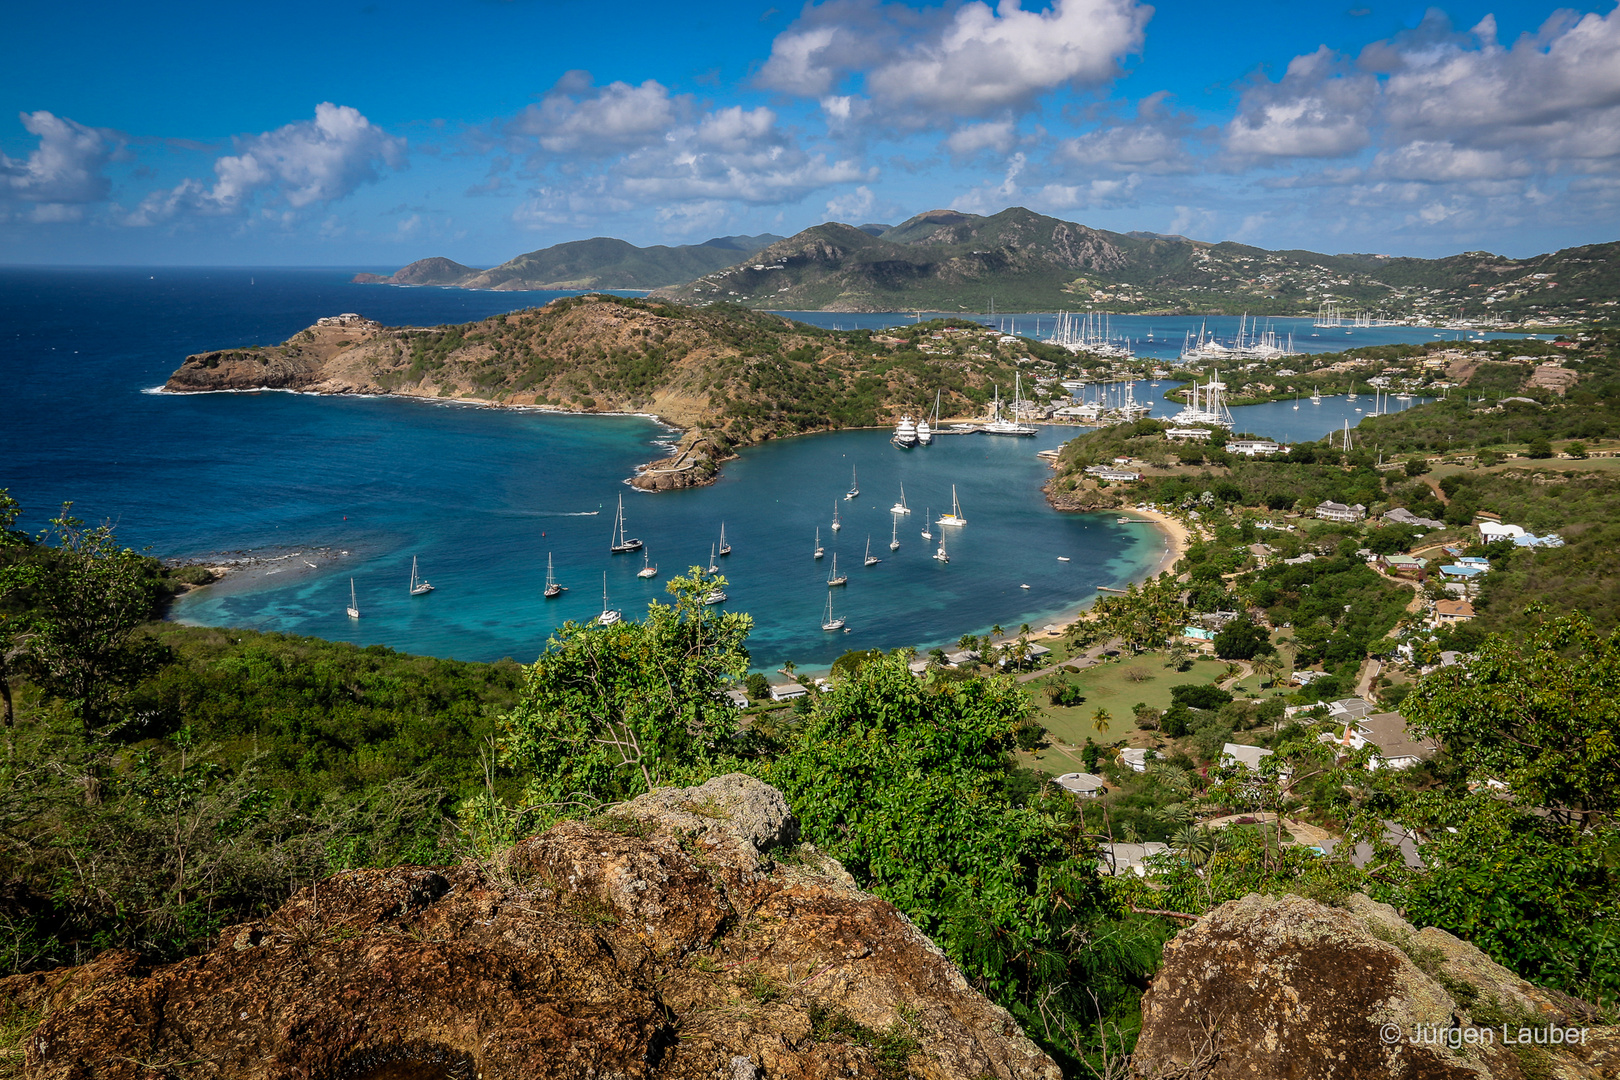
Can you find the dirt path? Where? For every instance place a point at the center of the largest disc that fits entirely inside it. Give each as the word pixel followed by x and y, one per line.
pixel 1246 669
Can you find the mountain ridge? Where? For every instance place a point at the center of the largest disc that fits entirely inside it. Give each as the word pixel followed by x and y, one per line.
pixel 601 262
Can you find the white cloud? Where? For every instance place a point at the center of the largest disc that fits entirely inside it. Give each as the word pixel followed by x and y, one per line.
pixel 66 168
pixel 1318 109
pixel 999 136
pixel 854 207
pixel 575 117
pixel 1442 162
pixel 972 61
pixel 309 163
pixel 1141 147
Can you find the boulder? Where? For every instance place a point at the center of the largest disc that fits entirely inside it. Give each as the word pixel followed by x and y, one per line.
pixel 1284 987
pixel 686 935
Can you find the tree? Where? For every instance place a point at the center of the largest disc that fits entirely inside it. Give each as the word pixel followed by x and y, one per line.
pixel 1576 450
pixel 1101 720
pixel 610 712
pixel 1242 639
pixel 1538 447
pixel 1538 711
pixel 89 596
pixel 1417 466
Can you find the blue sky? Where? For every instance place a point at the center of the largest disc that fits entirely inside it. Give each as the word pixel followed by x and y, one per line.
pixel 378 132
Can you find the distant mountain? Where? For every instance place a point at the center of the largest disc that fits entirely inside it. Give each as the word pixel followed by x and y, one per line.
pixel 1018 260
pixel 598 263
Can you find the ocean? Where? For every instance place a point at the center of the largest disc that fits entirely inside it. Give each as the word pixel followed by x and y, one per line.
pixel 321 491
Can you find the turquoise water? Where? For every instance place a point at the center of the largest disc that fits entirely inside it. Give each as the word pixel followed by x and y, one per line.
pixel 358 486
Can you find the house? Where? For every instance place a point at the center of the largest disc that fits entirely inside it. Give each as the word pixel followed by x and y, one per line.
pixel 918 665
pixel 1449 612
pixel 787 691
pixel 1394 835
pixel 738 698
pixel 1252 447
pixel 1117 859
pixel 1402 516
pixel 1335 511
pixel 961 656
pixel 1394 747
pixel 1495 530
pixel 1351 708
pixel 1551 540
pixel 1405 566
pixel 1113 475
pixel 1134 758
pixel 1033 653
pixel 1462 572
pixel 1198 633
pixel 1187 433
pixel 1239 754
pixel 1083 784
pixel 1397 747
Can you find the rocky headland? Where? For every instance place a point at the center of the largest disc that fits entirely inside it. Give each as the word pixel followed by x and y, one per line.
pixel 687 934
pixel 728 377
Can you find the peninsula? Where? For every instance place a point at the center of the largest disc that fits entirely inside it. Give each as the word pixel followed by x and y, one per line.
pixel 728 376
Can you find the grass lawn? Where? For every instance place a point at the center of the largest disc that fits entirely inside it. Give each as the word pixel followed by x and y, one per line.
pixel 1111 686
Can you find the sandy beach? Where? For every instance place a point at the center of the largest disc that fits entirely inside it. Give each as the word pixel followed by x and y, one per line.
pixel 1175 534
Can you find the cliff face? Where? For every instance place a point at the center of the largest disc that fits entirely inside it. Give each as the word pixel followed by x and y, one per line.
pixel 688 935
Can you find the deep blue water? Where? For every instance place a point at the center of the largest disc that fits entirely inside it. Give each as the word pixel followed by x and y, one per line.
pixel 358 486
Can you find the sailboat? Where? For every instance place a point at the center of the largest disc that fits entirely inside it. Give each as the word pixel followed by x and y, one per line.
pixel 830 623
pixel 955 516
pixel 871 560
pixel 648 570
pixel 901 507
pixel 418 586
pixel 354 605
pixel 1316 396
pixel 854 485
pixel 1351 396
pixel 836 578
pixel 836 524
pixel 725 548
pixel 621 543
pixel 894 534
pixel 608 616
pixel 926 535
pixel 553 590
pixel 714 567
pixel 940 554
pixel 1296 403
pixel 820 551
pixel 925 430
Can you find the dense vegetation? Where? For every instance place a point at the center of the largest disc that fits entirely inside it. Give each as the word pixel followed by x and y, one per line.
pixel 210 772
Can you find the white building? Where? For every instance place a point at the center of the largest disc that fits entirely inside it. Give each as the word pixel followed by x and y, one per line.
pixel 1085 785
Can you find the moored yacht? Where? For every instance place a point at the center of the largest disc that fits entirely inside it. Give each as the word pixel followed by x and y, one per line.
pixel 955 516
pixel 829 623
pixel 901 507
pixel 905 433
pixel 871 559
pixel 836 578
pixel 608 616
pixel 553 590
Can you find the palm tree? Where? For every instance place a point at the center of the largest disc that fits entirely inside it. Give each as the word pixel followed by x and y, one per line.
pixel 1268 668
pixel 1178 655
pixel 1195 844
pixel 1100 720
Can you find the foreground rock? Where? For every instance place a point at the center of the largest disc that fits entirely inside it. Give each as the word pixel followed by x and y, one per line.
pixel 689 935
pixel 1280 987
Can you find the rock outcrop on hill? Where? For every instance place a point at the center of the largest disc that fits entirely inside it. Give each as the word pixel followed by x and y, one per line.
pixel 688 934
pixel 1284 987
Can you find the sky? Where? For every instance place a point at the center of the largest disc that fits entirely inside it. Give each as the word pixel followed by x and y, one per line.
pixel 376 132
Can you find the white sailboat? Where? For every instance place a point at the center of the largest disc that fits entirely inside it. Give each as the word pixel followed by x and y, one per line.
pixel 925 429
pixel 621 543
pixel 836 523
pixel 1000 425
pixel 901 507
pixel 354 605
pixel 955 516
pixel 553 590
pixel 820 551
pixel 836 578
pixel 830 623
pixel 608 616
pixel 1316 396
pixel 648 570
pixel 940 553
pixel 714 567
pixel 871 560
pixel 725 548
pixel 854 485
pixel 418 586
pixel 894 534
pixel 926 534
